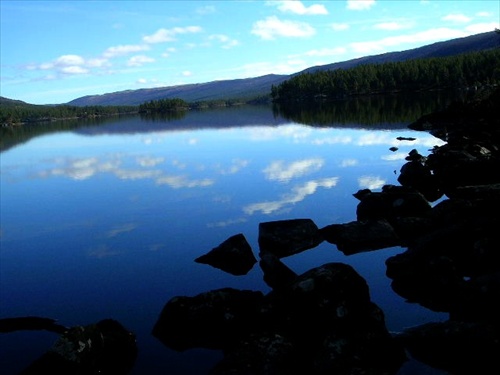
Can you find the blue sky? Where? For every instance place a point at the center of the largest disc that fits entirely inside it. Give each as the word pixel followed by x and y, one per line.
pixel 56 51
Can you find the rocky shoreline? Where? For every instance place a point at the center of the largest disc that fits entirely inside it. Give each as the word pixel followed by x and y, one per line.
pixel 444 215
pixel 323 321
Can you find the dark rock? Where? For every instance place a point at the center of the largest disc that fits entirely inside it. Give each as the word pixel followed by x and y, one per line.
pixel 334 326
pixel 214 319
pixel 414 155
pixel 276 274
pixel 260 353
pixel 104 348
pixel 358 236
pixel 409 228
pixel 454 346
pixel 416 175
pixel 287 237
pixel 406 139
pixel 392 202
pixel 30 323
pixel 393 149
pixel 234 256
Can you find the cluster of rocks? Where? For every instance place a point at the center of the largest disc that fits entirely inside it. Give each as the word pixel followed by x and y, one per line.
pixel 323 320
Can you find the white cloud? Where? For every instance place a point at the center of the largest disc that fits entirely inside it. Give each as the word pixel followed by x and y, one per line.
pixel 340 26
pixel 140 60
pixel 226 42
pixel 187 73
pixel 168 35
pixel 483 14
pixel 360 4
pixel 273 27
pixel 482 27
pixel 122 50
pixel 148 161
pixel 177 182
pixel 73 70
pixel 298 194
pixel 280 171
pixel 370 182
pixel 326 52
pixel 348 163
pixel 457 18
pixel 431 35
pixel 297 7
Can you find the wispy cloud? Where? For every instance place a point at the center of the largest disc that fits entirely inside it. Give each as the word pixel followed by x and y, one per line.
pixel 280 171
pixel 298 194
pixel 297 7
pixel 178 182
pixel 225 41
pixel 273 27
pixel 456 18
pixel 393 26
pixel 360 4
pixel 430 35
pixel 169 35
pixel 140 60
pixel 371 182
pixel 123 50
pixel 340 26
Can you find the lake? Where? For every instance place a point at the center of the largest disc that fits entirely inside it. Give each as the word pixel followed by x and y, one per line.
pixel 104 218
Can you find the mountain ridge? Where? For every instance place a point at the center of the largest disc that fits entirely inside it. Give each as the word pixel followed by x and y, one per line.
pixel 248 88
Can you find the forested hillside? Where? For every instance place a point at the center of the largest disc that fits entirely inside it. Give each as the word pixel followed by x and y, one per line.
pixel 16 111
pixel 461 71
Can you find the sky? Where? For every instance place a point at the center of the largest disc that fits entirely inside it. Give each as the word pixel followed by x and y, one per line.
pixel 56 51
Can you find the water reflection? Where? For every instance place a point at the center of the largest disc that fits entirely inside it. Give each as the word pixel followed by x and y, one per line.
pixel 108 219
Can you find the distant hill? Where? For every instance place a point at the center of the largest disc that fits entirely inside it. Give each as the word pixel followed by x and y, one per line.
pixel 259 86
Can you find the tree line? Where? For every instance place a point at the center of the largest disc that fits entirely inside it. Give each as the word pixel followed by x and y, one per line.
pixel 460 71
pixel 18 112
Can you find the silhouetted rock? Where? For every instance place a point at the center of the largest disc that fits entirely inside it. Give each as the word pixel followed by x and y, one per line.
pixel 358 236
pixel 234 256
pixel 391 202
pixel 30 323
pixel 104 348
pixel 415 174
pixel 455 346
pixel 287 237
pixel 263 353
pixel 276 274
pixel 214 319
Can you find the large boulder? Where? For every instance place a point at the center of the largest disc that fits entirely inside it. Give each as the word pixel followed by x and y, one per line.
pixel 392 202
pixel 213 320
pixel 287 237
pixel 358 236
pixel 234 256
pixel 103 348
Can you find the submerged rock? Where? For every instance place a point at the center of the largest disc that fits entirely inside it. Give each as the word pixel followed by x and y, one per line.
pixel 30 323
pixel 287 237
pixel 234 256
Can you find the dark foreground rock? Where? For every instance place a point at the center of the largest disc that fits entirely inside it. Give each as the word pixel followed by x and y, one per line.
pixel 103 348
pixel 322 322
pixel 287 237
pixel 234 256
pixel 462 348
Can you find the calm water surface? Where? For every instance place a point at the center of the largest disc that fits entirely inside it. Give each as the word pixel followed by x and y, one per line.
pixel 105 221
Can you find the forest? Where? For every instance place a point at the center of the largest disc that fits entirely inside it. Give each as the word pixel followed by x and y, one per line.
pixel 18 112
pixel 460 71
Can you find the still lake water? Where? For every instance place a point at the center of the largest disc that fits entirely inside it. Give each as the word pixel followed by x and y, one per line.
pixel 104 220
